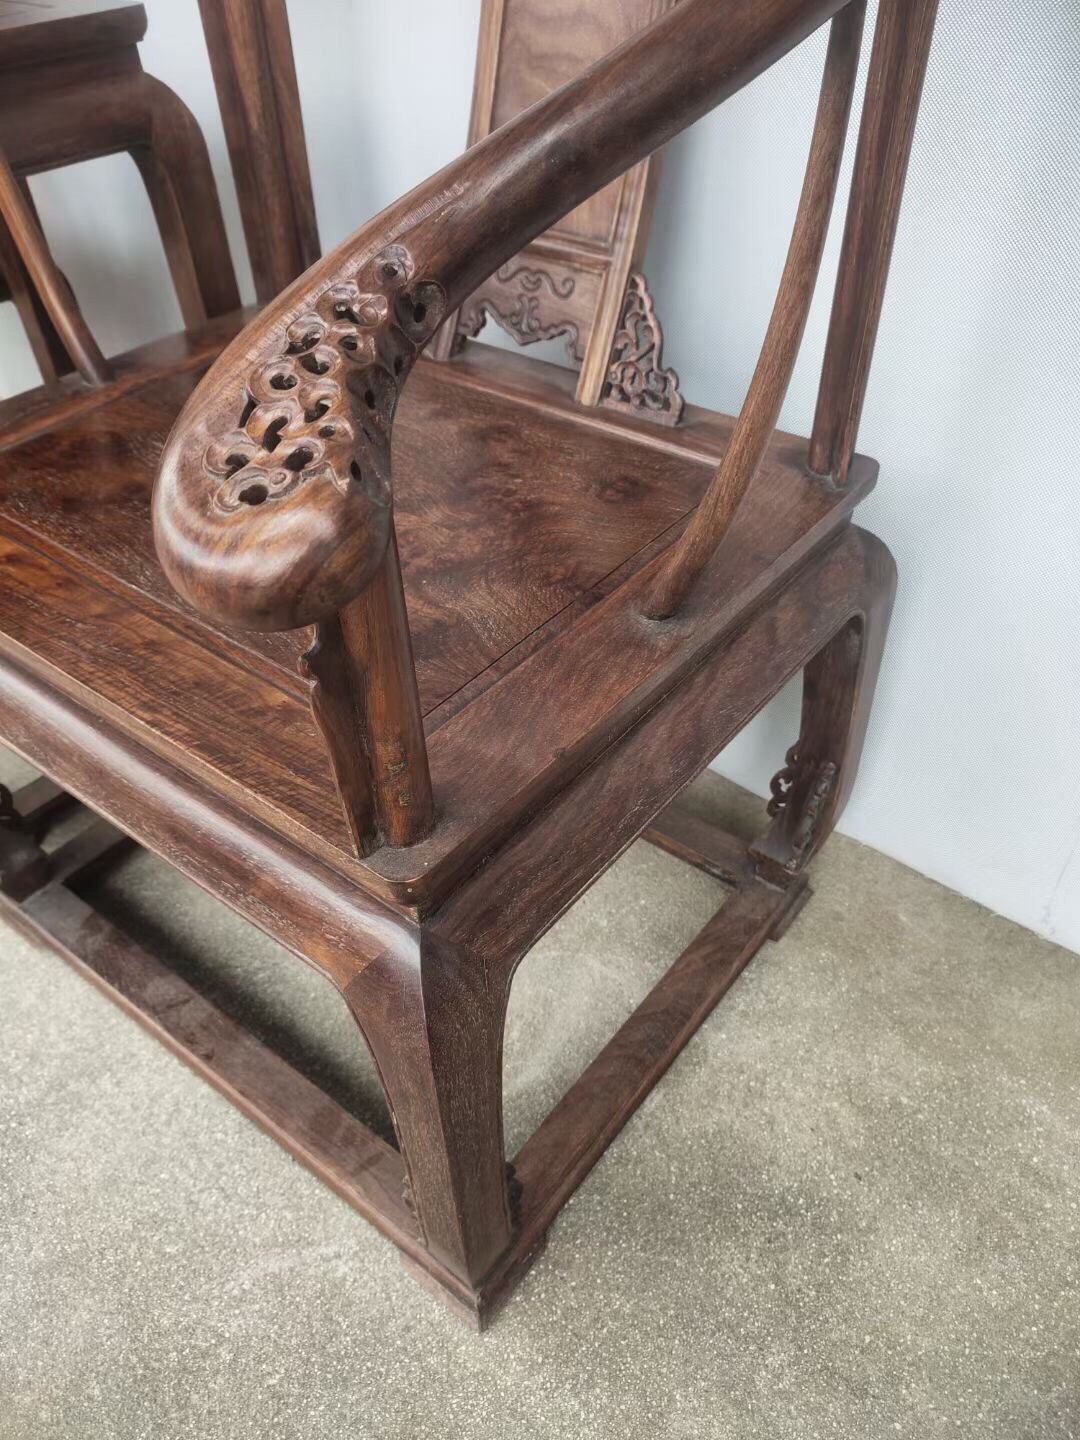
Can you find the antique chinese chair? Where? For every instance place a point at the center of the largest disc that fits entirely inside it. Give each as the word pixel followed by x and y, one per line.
pixel 422 643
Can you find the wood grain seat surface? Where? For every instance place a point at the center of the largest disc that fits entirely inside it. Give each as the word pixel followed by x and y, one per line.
pixel 520 515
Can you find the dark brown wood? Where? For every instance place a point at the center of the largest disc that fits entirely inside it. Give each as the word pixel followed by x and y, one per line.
pixel 497 916
pixel 376 641
pixel 761 409
pixel 398 278
pixel 38 30
pixel 272 507
pixel 16 286
pixel 254 72
pixel 406 764
pixel 893 90
pixel 580 280
pixel 51 287
pixel 471 595
pixel 821 765
pixel 375 735
pixel 637 381
pixel 685 835
pixel 175 167
pixel 73 89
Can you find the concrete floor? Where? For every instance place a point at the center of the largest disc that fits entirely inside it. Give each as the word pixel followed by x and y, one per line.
pixel 852 1208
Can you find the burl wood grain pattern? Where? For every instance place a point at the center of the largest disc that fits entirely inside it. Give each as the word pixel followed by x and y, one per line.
pixel 413 691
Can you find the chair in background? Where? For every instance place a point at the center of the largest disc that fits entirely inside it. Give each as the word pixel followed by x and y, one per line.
pixel 72 88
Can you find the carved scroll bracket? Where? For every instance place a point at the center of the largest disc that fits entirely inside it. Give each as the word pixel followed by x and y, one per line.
pixel 637 382
pixel 780 786
pixel 528 302
pixel 800 794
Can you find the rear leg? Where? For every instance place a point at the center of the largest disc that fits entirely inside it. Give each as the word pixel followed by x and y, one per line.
pixel 810 792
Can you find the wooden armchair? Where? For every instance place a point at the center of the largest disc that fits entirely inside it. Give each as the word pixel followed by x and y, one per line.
pixel 450 638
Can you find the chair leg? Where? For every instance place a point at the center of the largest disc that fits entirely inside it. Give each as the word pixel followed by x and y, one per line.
pixel 434 1021
pixel 24 866
pixel 810 792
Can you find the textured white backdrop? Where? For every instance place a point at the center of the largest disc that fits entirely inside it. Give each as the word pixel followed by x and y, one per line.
pixel 971 771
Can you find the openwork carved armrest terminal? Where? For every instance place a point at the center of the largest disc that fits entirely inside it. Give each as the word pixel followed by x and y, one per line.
pixel 300 485
pixel 273 504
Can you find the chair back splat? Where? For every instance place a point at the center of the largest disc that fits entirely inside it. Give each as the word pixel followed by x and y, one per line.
pixel 581 280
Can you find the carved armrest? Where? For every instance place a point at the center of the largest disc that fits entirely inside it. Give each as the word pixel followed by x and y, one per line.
pixel 273 507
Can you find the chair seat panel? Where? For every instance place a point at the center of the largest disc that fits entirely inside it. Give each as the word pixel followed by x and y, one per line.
pixel 526 527
pixel 505 515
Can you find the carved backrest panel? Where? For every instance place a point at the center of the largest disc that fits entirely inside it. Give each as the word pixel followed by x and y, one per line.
pixel 572 281
pixel 543 44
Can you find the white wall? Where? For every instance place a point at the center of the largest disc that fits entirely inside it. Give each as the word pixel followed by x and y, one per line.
pixel 971 771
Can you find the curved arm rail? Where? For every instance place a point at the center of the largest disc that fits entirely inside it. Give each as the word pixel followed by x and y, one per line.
pixel 273 504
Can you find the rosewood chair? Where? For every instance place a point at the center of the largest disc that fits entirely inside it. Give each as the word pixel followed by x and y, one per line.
pixel 72 88
pixel 428 642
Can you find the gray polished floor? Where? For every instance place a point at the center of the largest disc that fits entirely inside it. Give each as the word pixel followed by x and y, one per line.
pixel 852 1208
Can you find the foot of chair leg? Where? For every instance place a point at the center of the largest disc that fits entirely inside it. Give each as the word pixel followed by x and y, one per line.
pixel 798 892
pixel 433 1018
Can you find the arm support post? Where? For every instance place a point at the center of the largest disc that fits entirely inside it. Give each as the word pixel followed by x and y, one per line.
pixel 374 733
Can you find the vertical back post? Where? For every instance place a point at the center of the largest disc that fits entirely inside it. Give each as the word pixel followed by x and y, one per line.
pixel 893 89
pixel 255 75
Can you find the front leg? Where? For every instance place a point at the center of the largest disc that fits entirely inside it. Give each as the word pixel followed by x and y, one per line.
pixel 433 1016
